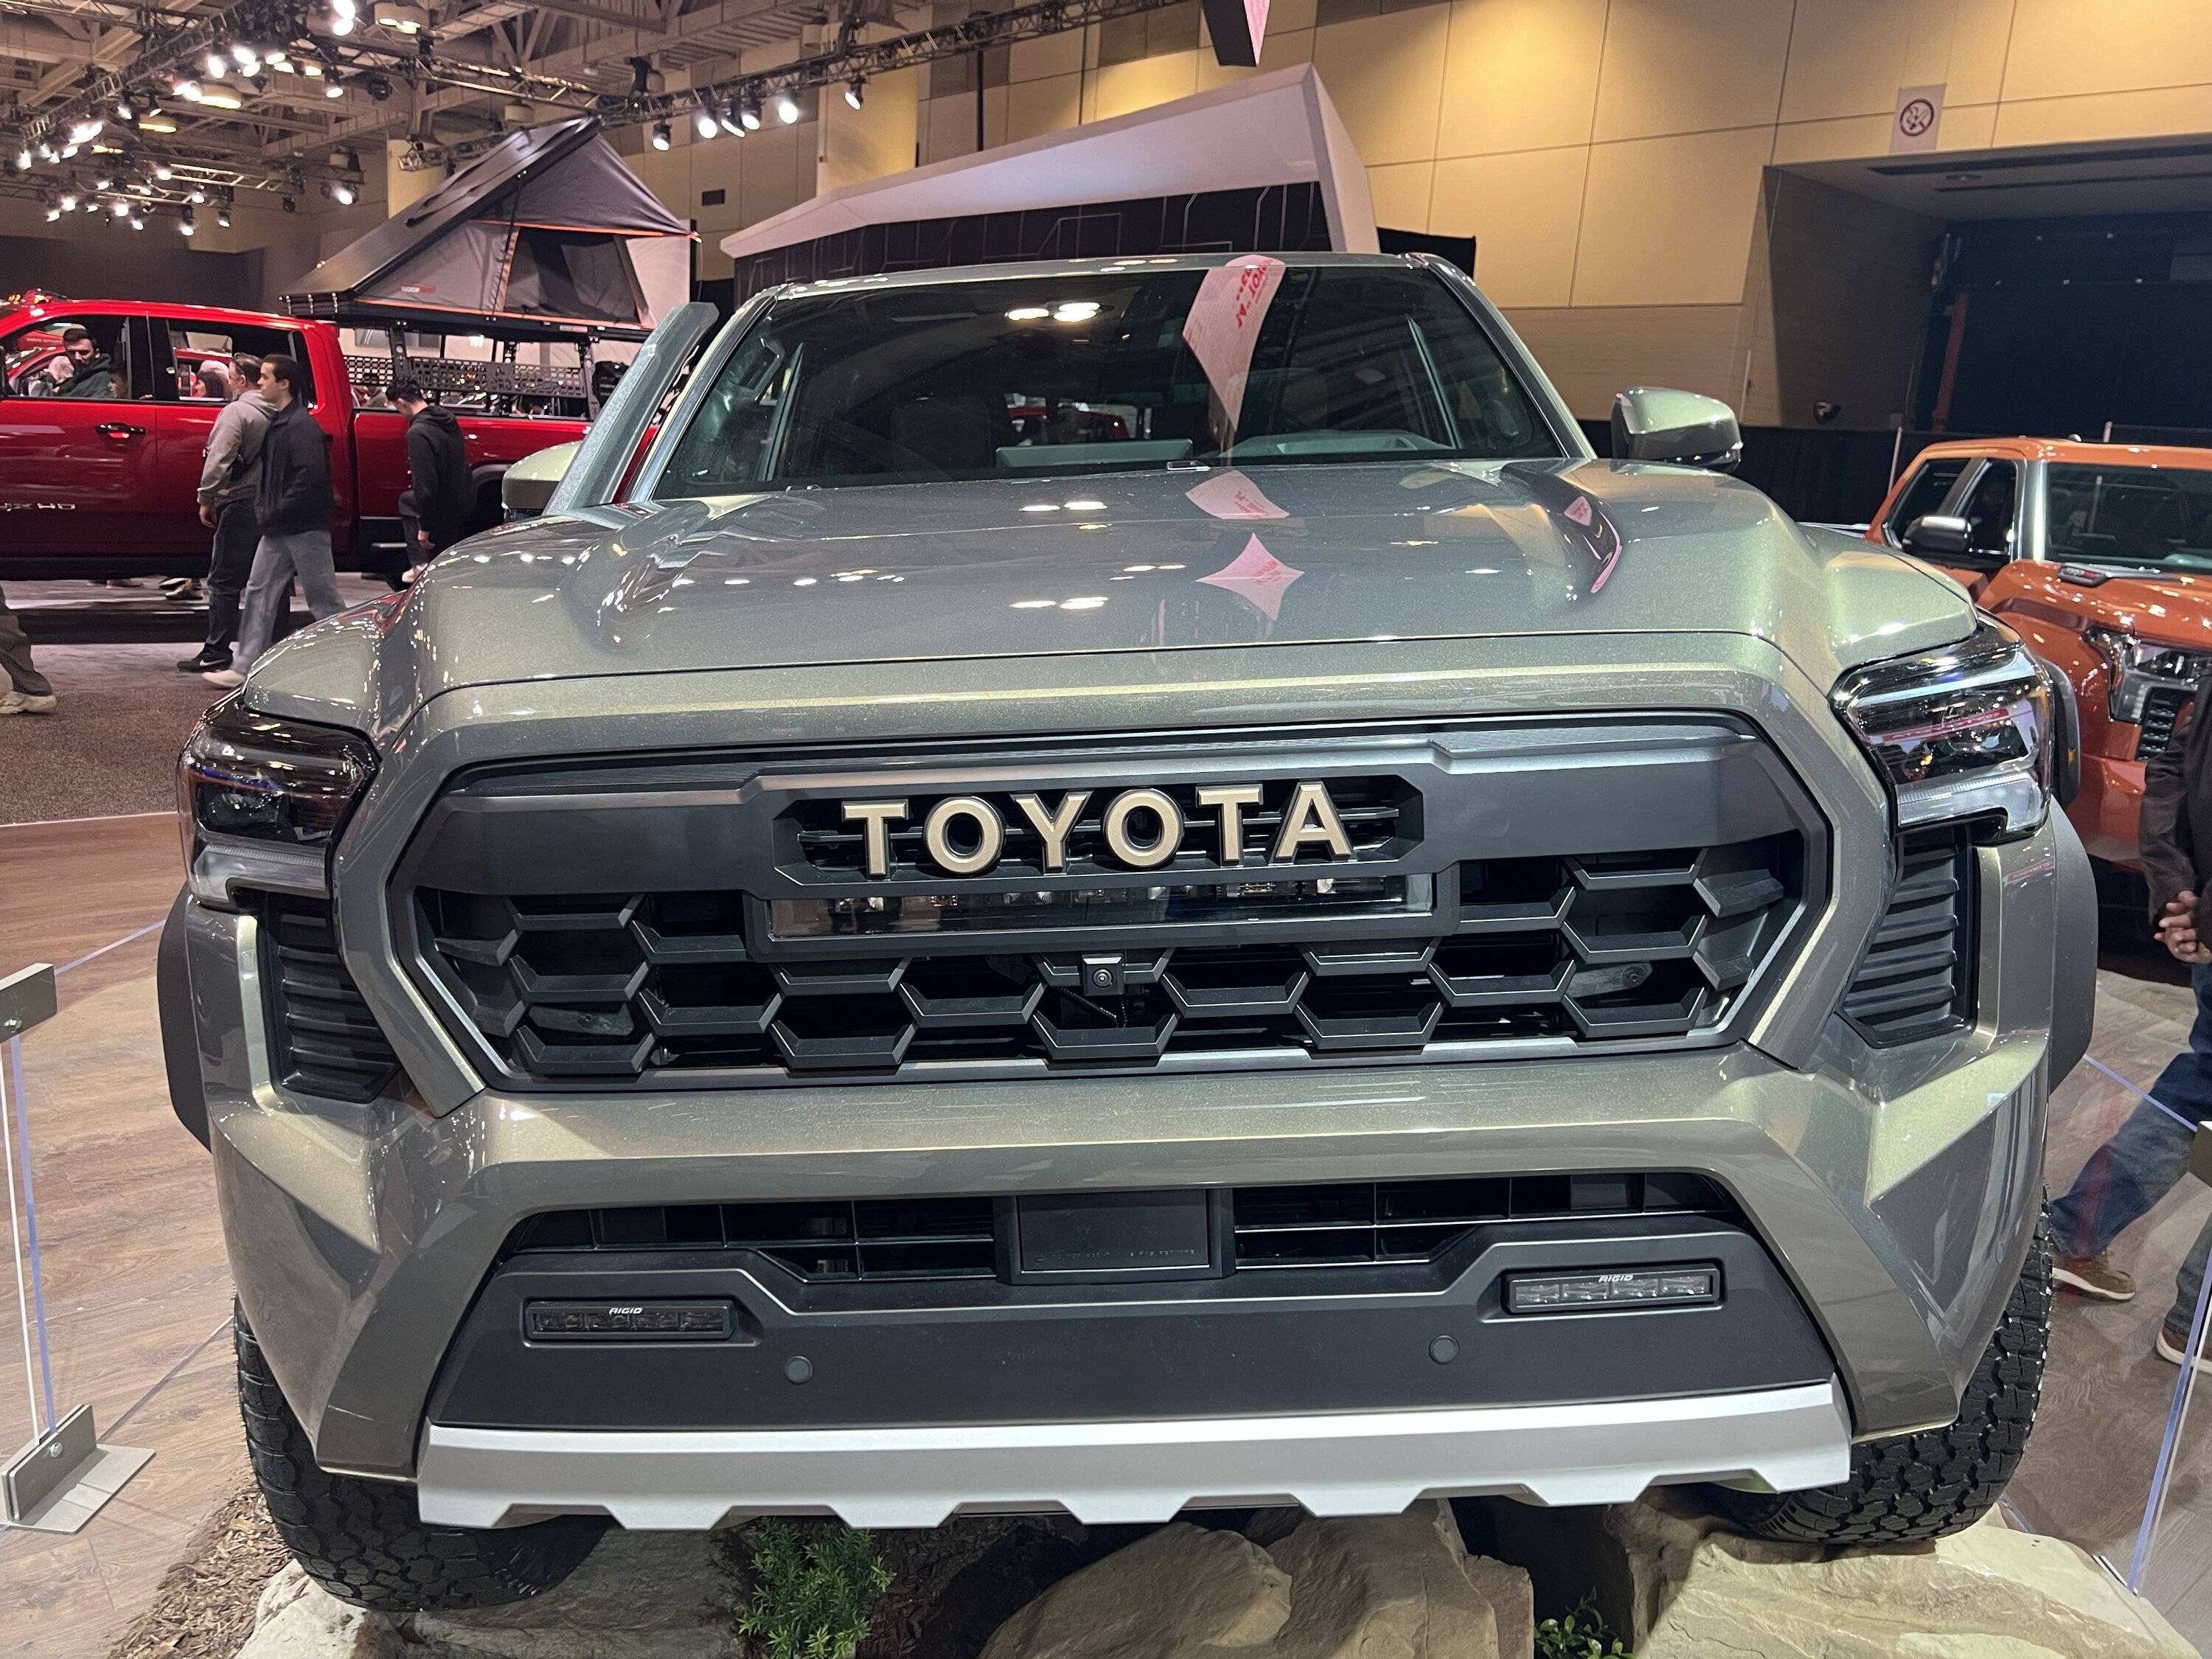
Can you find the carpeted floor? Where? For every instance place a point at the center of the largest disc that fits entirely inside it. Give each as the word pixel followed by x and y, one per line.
pixel 125 712
pixel 112 744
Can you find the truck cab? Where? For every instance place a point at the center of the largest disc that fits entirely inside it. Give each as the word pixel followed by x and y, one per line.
pixel 2100 555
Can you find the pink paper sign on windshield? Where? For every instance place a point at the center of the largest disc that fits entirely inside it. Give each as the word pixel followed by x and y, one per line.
pixel 1230 494
pixel 1224 324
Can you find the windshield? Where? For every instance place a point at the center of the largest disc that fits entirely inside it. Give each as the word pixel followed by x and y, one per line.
pixel 1060 374
pixel 2143 515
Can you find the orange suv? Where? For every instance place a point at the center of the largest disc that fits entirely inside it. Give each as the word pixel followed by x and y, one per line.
pixel 2100 555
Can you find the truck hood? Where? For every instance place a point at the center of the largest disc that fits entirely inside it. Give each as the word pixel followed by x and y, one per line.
pixel 2169 609
pixel 1154 562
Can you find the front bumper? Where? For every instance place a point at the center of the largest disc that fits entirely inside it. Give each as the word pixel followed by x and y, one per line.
pixel 1893 1192
pixel 1896 1192
pixel 1342 1463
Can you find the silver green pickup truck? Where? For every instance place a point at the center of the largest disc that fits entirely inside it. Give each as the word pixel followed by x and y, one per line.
pixel 1116 886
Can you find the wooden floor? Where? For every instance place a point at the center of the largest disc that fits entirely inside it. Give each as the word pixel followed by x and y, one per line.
pixel 138 1292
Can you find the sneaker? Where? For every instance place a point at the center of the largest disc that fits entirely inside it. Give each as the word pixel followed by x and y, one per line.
pixel 181 587
pixel 2173 1344
pixel 22 703
pixel 204 662
pixel 226 677
pixel 2094 1275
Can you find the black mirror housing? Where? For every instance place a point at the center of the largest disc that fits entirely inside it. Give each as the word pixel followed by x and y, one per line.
pixel 1939 536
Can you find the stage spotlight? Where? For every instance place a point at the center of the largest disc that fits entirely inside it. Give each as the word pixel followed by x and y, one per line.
pixel 703 121
pixel 749 112
pixel 855 90
pixel 661 136
pixel 786 108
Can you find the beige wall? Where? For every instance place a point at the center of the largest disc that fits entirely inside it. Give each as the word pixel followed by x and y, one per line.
pixel 1609 154
pixel 1611 157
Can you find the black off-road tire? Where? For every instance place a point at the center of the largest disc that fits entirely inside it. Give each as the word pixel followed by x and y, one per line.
pixel 1933 1483
pixel 363 1541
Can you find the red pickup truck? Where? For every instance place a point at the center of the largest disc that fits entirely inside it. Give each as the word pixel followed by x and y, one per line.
pixel 99 476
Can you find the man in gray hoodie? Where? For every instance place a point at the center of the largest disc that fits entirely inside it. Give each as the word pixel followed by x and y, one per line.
pixel 230 476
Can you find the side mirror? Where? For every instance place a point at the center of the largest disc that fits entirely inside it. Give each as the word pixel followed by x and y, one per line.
pixel 527 485
pixel 1938 535
pixel 1652 423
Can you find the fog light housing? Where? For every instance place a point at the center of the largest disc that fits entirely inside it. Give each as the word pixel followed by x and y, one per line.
pixel 1696 1286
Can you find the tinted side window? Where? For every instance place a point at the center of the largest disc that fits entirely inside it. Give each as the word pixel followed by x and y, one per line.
pixel 85 359
pixel 1923 495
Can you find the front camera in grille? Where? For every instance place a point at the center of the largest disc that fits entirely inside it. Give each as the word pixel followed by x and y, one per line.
pixel 673 985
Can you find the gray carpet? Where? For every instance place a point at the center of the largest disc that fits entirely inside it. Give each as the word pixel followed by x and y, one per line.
pixel 125 712
pixel 112 744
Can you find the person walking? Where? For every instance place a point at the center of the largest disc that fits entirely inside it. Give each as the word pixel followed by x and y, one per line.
pixel 230 477
pixel 26 690
pixel 293 507
pixel 434 508
pixel 2149 1152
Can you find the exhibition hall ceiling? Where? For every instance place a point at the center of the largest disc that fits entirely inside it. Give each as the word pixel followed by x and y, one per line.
pixel 186 103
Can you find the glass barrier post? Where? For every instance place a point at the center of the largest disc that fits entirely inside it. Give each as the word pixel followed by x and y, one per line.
pixel 61 1478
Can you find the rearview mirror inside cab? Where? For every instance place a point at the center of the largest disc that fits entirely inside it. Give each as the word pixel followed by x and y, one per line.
pixel 1653 424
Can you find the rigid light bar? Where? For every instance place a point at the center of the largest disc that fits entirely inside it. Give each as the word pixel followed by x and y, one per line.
pixel 1626 1287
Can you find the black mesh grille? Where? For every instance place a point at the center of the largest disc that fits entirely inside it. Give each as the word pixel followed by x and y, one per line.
pixel 1321 1225
pixel 626 986
pixel 825 1240
pixel 1402 1221
pixel 2162 710
pixel 1915 979
pixel 324 1040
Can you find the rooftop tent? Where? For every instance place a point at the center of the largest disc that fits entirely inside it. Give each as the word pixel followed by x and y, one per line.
pixel 1261 165
pixel 546 234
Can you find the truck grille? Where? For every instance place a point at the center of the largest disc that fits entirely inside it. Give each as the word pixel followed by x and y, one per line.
pixel 323 1040
pixel 1588 949
pixel 1357 1224
pixel 1916 979
pixel 2161 714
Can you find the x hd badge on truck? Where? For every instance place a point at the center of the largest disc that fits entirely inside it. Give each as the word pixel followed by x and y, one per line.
pixel 1008 920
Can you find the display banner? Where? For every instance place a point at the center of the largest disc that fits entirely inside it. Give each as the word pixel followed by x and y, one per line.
pixel 1237 27
pixel 1224 324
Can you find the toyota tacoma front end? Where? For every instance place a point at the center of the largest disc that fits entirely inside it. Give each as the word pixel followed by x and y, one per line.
pixel 1030 916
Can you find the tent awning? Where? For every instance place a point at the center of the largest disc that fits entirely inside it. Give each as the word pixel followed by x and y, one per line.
pixel 531 239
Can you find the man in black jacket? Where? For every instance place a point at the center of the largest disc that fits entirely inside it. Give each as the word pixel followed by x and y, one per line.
pixel 2149 1152
pixel 84 371
pixel 293 507
pixel 434 510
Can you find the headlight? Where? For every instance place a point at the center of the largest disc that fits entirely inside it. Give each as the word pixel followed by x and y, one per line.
pixel 1959 732
pixel 2139 667
pixel 261 800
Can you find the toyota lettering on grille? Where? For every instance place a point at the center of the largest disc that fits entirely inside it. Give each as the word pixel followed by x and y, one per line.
pixel 1144 827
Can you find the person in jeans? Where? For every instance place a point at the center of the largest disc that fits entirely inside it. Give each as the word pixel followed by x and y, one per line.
pixel 23 689
pixel 2140 1165
pixel 434 508
pixel 230 477
pixel 294 505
